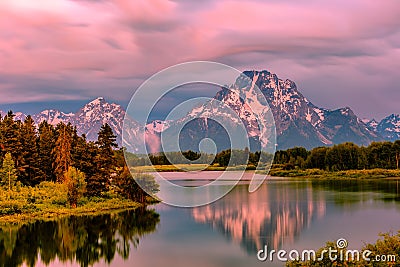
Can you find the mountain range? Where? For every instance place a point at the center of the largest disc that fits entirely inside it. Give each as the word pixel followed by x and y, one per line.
pixel 298 121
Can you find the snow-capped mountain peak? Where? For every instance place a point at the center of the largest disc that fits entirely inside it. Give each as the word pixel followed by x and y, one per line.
pixel 94 114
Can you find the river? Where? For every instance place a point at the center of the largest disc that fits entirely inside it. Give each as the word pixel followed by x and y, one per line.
pixel 282 213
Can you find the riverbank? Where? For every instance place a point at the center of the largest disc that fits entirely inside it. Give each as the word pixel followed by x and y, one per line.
pixel 350 174
pixel 32 212
pixel 277 171
pixel 49 201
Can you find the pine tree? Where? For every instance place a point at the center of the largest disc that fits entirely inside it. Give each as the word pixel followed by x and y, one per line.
pixel 8 172
pixel 11 138
pixel 30 171
pixel 46 144
pixel 83 154
pixel 104 161
pixel 106 142
pixel 62 151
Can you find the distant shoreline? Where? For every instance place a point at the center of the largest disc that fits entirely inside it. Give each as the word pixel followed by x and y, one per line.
pixel 274 172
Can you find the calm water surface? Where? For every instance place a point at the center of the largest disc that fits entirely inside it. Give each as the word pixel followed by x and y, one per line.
pixel 281 214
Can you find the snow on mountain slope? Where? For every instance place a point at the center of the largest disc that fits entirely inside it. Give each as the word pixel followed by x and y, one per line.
pixel 371 124
pixel 52 116
pixel 94 114
pixel 389 127
pixel 298 121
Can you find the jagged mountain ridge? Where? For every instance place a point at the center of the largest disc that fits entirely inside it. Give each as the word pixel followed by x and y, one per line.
pixel 388 128
pixel 313 125
pixel 298 121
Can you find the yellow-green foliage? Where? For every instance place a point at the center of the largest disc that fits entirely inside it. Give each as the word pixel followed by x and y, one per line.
pixel 388 244
pixel 76 184
pixel 50 200
pixel 8 173
pixel 31 199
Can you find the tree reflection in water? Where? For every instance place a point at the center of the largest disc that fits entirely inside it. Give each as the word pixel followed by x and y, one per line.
pixel 82 239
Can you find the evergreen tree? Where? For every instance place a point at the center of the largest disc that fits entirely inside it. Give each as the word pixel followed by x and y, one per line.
pixel 11 138
pixel 30 171
pixel 104 161
pixel 8 172
pixel 46 144
pixel 83 154
pixel 106 143
pixel 62 151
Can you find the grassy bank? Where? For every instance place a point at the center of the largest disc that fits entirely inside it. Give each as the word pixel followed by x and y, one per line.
pixel 279 171
pixel 49 201
pixel 350 174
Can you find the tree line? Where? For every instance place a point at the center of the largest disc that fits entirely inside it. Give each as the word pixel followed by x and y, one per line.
pixel 346 156
pixel 31 155
pixel 229 157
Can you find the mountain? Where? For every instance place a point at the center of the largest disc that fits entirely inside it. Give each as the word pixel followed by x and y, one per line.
pixel 371 124
pixel 53 117
pixel 206 120
pixel 89 118
pixel 298 121
pixel 93 115
pixel 389 127
pixel 301 123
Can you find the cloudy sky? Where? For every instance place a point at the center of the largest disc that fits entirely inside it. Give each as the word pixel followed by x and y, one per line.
pixel 65 52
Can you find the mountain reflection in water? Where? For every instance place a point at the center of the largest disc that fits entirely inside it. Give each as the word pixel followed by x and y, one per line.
pixel 271 215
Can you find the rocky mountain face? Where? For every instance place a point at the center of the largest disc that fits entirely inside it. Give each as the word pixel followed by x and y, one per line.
pixel 88 119
pixel 298 121
pixel 389 127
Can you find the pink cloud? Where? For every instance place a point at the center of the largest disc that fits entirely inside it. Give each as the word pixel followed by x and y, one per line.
pixel 117 44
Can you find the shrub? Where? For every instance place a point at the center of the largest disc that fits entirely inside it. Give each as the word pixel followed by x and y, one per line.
pixel 76 184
